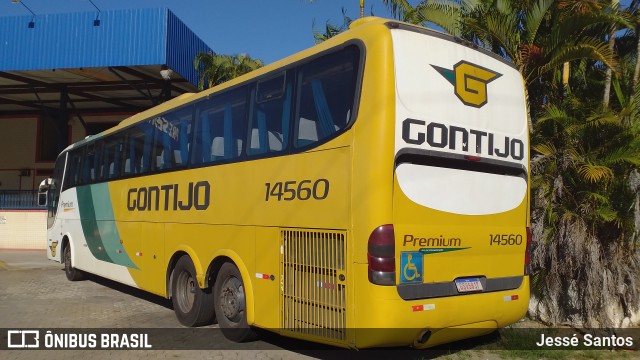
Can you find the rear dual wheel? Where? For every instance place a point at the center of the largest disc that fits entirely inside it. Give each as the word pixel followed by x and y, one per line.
pixel 193 306
pixel 231 305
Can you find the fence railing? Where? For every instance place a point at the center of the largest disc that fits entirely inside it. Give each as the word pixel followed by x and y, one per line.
pixel 19 200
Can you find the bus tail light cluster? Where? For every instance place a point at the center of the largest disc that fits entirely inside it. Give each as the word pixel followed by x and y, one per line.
pixel 381 256
pixel 527 254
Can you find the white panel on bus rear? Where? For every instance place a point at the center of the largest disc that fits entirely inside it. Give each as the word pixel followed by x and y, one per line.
pixel 458 104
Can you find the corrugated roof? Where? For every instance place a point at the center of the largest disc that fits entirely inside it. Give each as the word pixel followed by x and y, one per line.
pixel 123 38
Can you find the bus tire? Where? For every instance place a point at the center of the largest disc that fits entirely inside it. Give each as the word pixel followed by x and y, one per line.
pixel 193 306
pixel 231 305
pixel 72 273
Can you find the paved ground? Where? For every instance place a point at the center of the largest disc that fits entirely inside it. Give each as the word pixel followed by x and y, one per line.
pixel 34 293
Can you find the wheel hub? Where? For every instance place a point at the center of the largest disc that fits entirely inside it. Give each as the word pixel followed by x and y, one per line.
pixel 186 291
pixel 232 299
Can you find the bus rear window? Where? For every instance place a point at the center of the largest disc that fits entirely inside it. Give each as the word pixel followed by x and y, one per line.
pixel 328 94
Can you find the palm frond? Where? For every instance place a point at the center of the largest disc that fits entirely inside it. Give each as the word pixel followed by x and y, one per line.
pixel 585 47
pixel 534 18
pixel 625 154
pixel 546 150
pixel 500 28
pixel 606 213
pixel 598 198
pixel 595 173
pixel 603 118
pixel 398 8
pixel 554 113
pixel 445 14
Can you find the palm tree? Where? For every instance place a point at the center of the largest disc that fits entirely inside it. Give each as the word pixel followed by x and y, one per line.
pixel 633 11
pixel 331 30
pixel 241 64
pixel 210 69
pixel 534 35
pixel 214 69
pixel 584 208
pixel 611 43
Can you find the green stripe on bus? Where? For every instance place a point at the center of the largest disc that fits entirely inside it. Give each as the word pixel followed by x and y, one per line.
pixel 89 224
pixel 107 226
pixel 99 227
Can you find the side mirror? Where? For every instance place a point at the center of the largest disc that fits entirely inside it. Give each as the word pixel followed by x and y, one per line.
pixel 42 198
pixel 43 190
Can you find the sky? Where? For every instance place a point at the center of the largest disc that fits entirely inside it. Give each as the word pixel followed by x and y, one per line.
pixel 268 30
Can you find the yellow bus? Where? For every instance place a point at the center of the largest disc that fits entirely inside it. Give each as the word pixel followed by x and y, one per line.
pixel 372 190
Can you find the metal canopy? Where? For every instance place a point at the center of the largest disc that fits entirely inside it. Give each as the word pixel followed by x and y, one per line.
pixel 67 64
pixel 102 89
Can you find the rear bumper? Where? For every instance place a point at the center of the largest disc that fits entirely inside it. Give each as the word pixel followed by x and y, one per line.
pixel 383 318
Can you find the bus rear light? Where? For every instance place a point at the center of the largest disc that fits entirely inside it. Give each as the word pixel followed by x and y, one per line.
pixel 472 158
pixel 381 256
pixel 381 263
pixel 527 254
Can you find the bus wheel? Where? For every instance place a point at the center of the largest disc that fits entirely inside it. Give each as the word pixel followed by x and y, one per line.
pixel 193 306
pixel 72 273
pixel 230 305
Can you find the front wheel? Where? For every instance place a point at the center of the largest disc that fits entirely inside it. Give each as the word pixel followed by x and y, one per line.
pixel 193 306
pixel 72 273
pixel 231 306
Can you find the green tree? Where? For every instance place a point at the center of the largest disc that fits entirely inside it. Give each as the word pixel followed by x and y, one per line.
pixel 585 211
pixel 534 35
pixel 241 64
pixel 330 30
pixel 214 69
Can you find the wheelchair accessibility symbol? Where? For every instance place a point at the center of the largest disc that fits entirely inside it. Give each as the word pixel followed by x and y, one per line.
pixel 411 267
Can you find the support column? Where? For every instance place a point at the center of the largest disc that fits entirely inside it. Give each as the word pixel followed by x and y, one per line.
pixel 61 121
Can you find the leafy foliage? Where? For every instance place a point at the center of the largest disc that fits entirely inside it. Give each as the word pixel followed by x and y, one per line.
pixel 214 69
pixel 330 29
pixel 584 213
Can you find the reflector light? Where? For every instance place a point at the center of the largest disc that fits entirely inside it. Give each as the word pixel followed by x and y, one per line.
pixel 511 298
pixel 423 307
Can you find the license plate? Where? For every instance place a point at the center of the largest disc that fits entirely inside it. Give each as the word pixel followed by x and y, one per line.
pixel 468 285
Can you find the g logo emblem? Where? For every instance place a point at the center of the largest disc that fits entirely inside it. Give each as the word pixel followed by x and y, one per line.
pixel 469 82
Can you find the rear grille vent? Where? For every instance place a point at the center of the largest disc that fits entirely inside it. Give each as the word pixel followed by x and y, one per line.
pixel 313 283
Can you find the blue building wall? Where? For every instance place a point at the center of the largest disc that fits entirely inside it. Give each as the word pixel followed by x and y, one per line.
pixel 124 38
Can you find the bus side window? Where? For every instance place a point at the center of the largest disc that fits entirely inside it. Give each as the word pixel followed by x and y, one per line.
pixel 97 161
pixel 271 115
pixel 88 166
pixel 111 155
pixel 328 89
pixel 72 176
pixel 221 127
pixel 172 135
pixel 138 149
